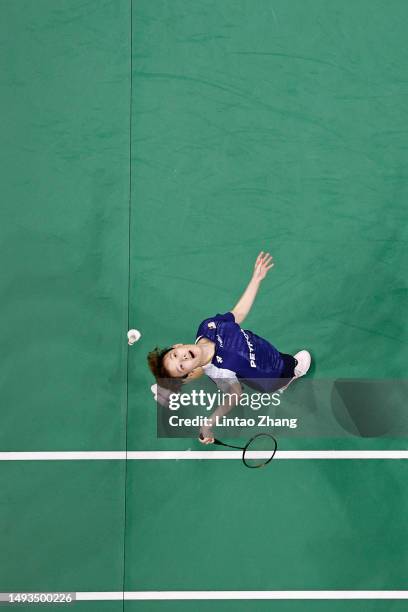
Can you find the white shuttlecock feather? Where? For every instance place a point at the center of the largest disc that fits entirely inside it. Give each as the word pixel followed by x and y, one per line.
pixel 133 336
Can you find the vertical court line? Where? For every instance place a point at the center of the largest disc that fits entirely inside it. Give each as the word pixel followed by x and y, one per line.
pixel 128 296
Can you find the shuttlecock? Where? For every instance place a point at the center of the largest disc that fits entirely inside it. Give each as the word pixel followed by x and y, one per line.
pixel 133 336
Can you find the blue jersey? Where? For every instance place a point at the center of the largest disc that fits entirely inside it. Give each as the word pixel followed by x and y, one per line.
pixel 240 354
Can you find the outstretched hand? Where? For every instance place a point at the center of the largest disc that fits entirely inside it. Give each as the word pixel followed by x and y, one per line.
pixel 206 436
pixel 263 263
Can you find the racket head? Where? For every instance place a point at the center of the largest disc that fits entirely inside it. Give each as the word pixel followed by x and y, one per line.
pixel 259 450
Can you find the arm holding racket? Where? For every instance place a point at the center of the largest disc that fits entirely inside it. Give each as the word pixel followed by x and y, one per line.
pixel 262 265
pixel 234 391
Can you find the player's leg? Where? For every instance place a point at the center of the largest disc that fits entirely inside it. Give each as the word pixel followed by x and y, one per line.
pixel 289 364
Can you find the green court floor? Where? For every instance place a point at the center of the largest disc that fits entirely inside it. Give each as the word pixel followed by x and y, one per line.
pixel 150 149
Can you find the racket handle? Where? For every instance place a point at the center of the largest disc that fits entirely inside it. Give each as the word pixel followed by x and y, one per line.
pixel 215 441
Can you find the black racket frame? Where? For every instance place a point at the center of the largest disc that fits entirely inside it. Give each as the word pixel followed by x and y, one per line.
pixel 244 448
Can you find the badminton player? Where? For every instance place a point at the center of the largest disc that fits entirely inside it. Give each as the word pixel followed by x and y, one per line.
pixel 229 354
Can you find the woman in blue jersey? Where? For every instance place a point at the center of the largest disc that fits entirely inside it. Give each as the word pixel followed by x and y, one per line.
pixel 229 354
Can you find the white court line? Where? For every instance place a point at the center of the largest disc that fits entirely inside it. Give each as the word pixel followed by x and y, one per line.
pixel 197 455
pixel 207 595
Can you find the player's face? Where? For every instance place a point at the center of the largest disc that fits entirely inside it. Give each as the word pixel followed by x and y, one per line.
pixel 182 359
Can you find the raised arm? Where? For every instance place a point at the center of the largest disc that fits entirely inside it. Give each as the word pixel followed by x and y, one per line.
pixel 262 265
